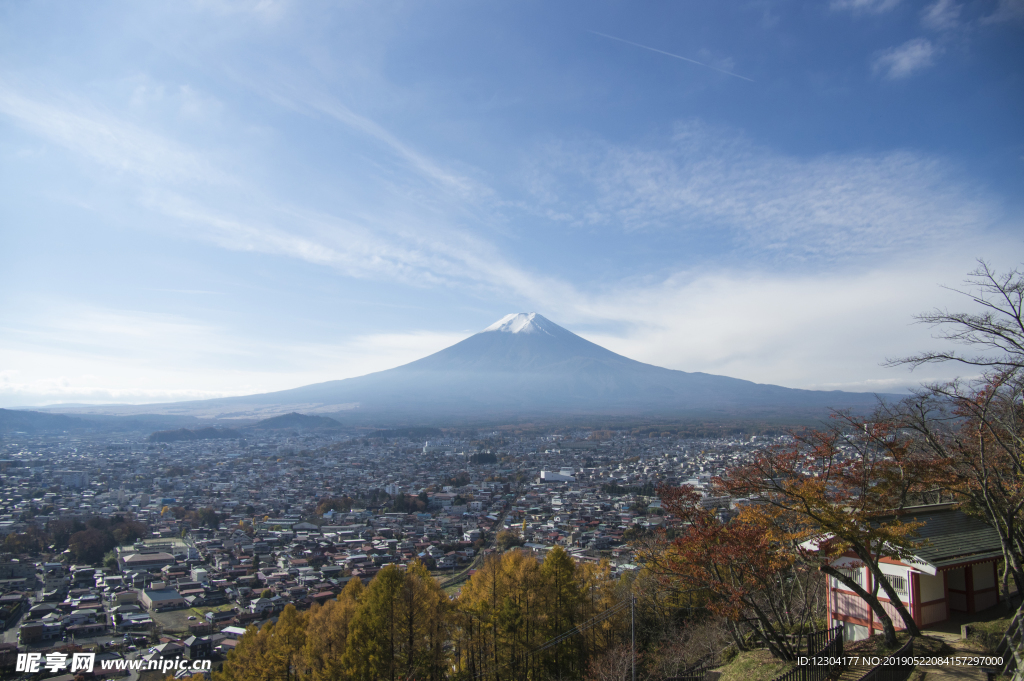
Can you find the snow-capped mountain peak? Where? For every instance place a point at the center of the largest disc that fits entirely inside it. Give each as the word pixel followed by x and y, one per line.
pixel 522 322
pixel 527 366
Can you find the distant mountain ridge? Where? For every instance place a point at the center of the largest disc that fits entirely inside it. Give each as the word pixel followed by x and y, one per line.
pixel 292 421
pixel 15 421
pixel 526 366
pixel 29 421
pixel 296 421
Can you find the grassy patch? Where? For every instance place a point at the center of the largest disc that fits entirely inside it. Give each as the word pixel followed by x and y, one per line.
pixel 875 645
pixel 997 626
pixel 212 608
pixel 987 635
pixel 931 646
pixel 754 665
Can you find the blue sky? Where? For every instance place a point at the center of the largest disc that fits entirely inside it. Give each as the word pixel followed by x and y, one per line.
pixel 214 198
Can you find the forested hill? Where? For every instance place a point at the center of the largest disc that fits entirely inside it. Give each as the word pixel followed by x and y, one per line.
pixel 13 421
pixel 297 421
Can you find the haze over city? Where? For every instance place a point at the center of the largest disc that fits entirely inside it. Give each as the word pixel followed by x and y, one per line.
pixel 206 199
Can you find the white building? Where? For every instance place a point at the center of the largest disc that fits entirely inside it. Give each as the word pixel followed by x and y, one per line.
pixel 562 476
pixel 954 570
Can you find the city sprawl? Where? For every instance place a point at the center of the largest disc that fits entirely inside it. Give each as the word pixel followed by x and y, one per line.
pixel 237 529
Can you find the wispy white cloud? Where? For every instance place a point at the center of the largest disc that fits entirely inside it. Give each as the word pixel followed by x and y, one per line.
pixel 111 142
pixel 98 355
pixel 340 244
pixel 291 93
pixel 826 331
pixel 868 6
pixel 909 58
pixel 421 164
pixel 827 208
pixel 824 209
pixel 942 15
pixel 407 244
pixel 189 102
pixel 411 253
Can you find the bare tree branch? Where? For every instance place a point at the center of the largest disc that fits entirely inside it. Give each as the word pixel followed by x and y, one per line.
pixel 996 334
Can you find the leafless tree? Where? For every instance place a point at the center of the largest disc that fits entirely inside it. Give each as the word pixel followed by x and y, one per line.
pixel 972 429
pixel 993 336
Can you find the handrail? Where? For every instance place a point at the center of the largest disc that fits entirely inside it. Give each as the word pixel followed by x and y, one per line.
pixel 831 650
pixel 893 672
pixel 1011 647
pixel 697 671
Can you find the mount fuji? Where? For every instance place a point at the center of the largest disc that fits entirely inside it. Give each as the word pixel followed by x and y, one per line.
pixel 526 366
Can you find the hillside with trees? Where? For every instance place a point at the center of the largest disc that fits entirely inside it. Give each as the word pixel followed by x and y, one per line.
pixel 403 626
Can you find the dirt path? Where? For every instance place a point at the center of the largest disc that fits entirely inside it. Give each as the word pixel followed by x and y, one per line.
pixel 962 650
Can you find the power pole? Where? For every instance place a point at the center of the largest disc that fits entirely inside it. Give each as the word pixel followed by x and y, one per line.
pixel 632 631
